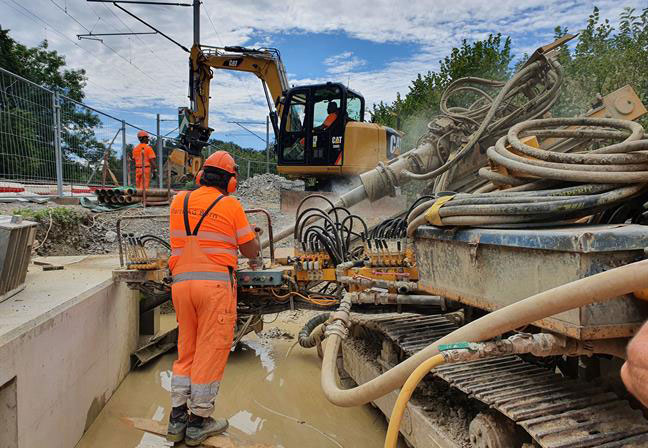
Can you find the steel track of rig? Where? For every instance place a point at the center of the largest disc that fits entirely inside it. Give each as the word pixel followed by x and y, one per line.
pixel 557 412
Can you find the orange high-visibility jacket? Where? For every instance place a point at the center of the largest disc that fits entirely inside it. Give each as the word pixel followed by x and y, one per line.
pixel 221 232
pixel 329 120
pixel 149 155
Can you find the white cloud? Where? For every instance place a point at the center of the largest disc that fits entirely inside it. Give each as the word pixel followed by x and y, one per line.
pixel 157 77
pixel 343 63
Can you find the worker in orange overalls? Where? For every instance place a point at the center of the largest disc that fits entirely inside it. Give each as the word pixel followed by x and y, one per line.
pixel 144 158
pixel 207 227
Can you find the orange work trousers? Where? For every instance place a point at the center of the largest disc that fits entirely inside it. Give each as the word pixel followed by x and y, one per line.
pixel 143 177
pixel 206 314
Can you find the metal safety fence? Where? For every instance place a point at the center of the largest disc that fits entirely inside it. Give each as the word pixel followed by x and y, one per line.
pixel 52 145
pixel 246 167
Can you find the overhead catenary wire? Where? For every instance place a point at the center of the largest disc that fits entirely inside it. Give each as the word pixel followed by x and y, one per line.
pixel 36 18
pixel 102 42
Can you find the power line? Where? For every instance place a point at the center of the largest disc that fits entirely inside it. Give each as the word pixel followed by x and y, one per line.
pixel 238 123
pixel 34 17
pixel 102 42
pixel 247 92
pixel 129 29
pixel 213 26
pixel 150 49
pixel 69 15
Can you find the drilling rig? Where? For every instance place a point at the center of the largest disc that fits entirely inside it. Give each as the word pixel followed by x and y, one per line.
pixel 507 291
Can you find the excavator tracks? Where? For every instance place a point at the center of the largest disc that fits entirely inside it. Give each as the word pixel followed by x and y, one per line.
pixel 557 412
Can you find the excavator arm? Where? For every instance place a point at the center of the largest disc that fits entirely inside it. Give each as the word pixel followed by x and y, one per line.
pixel 265 63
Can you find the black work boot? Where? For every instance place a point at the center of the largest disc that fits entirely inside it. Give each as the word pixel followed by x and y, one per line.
pixel 177 424
pixel 200 429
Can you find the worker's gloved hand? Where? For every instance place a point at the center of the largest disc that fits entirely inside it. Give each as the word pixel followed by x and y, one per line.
pixel 635 370
pixel 255 263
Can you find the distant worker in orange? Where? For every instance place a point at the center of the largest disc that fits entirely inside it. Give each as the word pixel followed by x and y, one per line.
pixel 208 227
pixel 144 158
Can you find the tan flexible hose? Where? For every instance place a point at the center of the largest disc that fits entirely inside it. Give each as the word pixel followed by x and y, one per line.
pixel 596 288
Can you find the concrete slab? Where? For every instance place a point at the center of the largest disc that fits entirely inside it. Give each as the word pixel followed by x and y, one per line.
pixel 47 291
pixel 65 342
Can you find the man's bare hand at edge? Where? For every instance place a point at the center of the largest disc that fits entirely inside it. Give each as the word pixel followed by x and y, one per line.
pixel 634 372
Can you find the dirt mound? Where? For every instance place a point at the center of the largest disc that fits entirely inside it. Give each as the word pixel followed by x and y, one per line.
pixel 61 230
pixel 74 230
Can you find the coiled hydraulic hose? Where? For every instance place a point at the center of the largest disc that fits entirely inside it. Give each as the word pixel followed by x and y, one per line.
pixel 596 288
pixel 609 176
pixel 333 236
pixel 488 115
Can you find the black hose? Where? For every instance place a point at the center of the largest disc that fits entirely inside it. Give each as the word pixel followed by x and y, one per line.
pixel 147 238
pixel 153 300
pixel 304 338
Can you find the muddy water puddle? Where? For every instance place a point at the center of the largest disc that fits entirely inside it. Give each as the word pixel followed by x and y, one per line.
pixel 267 398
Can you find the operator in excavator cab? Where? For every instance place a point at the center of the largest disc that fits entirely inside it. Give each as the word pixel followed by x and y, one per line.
pixel 144 158
pixel 208 227
pixel 332 111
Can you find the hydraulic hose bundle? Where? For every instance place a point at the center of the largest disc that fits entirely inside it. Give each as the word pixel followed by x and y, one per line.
pixel 549 187
pixel 332 232
pixel 528 94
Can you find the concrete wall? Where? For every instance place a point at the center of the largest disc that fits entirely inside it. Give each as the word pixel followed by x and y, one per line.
pixel 66 366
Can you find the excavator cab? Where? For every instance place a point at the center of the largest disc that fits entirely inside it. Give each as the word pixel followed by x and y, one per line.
pixel 313 126
pixel 319 129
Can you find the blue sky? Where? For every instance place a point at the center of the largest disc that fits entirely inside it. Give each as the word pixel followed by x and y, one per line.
pixel 376 46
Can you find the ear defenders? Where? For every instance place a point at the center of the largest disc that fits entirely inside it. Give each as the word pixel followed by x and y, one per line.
pixel 231 184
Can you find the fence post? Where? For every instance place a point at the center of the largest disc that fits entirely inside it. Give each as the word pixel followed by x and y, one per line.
pixel 248 170
pixel 160 147
pixel 58 155
pixel 124 155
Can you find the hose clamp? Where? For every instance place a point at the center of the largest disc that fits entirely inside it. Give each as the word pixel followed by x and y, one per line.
pixel 337 328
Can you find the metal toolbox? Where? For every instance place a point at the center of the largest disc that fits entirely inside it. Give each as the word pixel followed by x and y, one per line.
pixel 492 268
pixel 16 241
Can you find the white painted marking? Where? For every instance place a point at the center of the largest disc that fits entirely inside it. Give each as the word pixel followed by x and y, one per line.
pixel 153 441
pixel 159 414
pixel 165 380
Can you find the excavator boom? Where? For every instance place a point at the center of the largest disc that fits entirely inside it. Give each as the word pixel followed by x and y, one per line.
pixel 265 63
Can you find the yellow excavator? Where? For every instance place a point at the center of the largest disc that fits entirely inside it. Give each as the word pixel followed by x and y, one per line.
pixel 319 129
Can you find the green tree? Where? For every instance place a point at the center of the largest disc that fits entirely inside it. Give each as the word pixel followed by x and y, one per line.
pixel 603 60
pixel 28 110
pixel 488 58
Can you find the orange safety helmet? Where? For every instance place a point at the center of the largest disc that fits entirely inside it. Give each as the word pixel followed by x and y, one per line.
pixel 224 161
pixel 142 134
